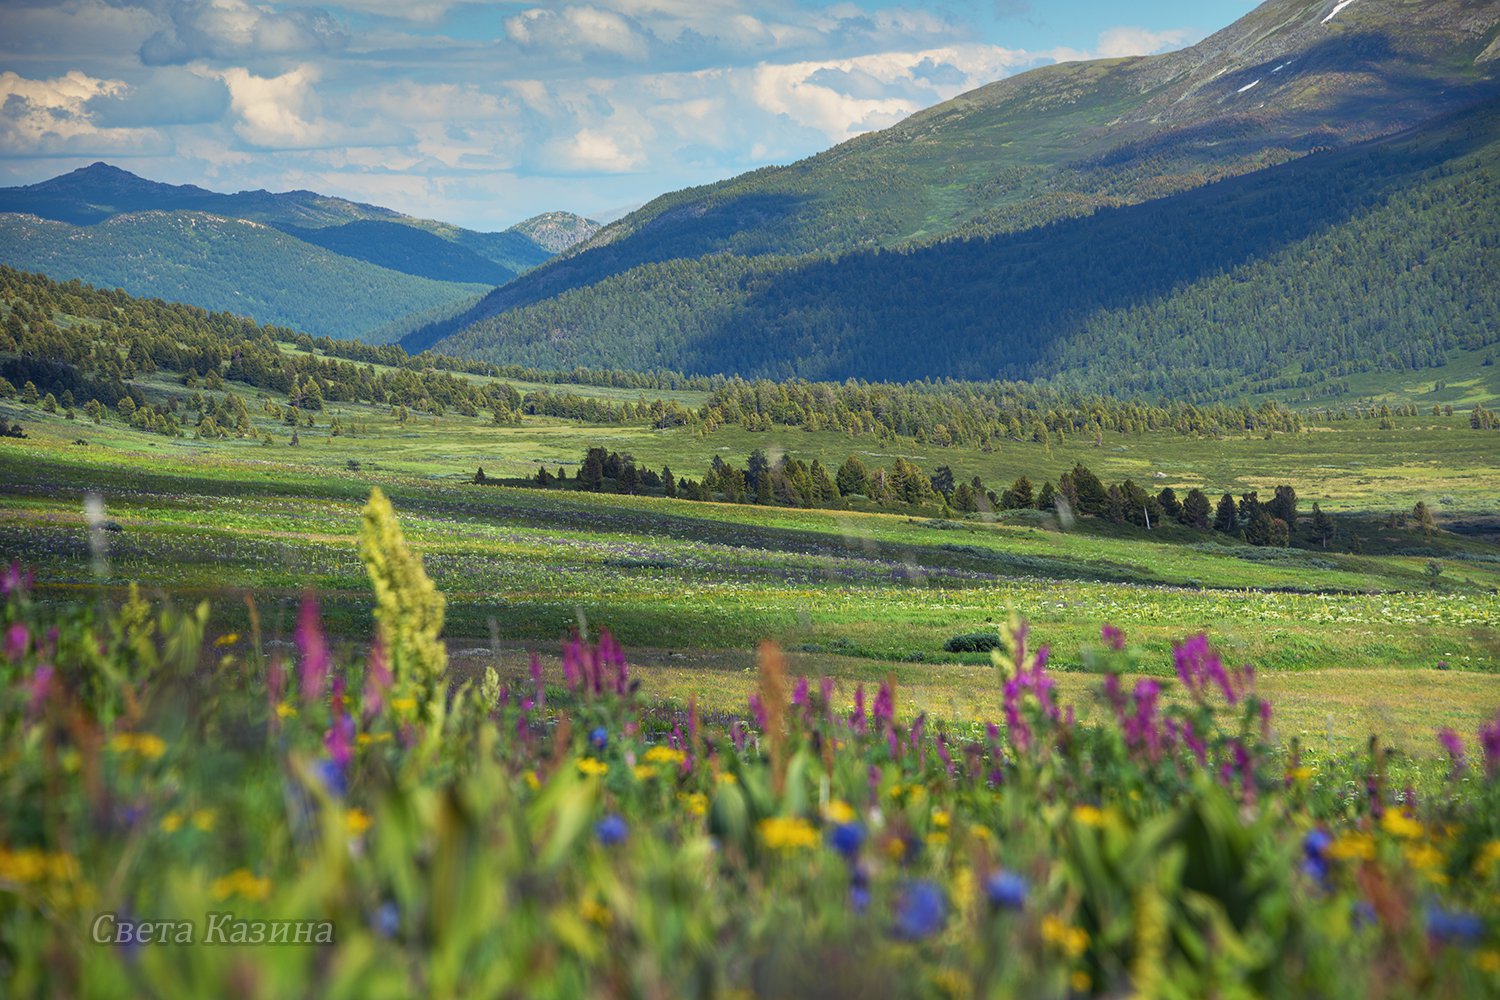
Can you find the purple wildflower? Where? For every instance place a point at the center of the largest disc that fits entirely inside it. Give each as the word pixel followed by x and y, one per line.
pixel 1112 637
pixel 378 680
pixel 1454 744
pixel 39 688
pixel 885 705
pixel 921 910
pixel 313 647
pixel 1489 738
pixel 857 720
pixel 17 641
pixel 611 830
pixel 1006 890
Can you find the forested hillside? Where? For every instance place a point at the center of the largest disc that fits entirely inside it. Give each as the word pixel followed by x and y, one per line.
pixel 1108 219
pixel 1376 257
pixel 227 264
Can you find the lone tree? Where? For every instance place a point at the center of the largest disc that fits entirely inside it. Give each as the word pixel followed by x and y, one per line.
pixel 1422 515
pixel 853 477
pixel 1323 527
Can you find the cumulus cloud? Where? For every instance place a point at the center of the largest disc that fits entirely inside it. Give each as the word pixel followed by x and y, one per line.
pixel 168 96
pixel 578 32
pixel 238 30
pixel 1129 41
pixel 50 117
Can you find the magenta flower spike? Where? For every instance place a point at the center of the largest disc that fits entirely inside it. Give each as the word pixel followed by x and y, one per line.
pixel 313 647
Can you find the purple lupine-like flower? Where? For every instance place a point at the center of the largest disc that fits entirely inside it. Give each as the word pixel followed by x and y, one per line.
pixel 945 756
pixel 378 681
pixel 1112 637
pixel 758 710
pixel 572 663
pixel 737 735
pixel 39 688
pixel 800 692
pixel 312 645
pixel 1142 725
pixel 13 581
pixel 857 720
pixel 537 682
pixel 1489 739
pixel 613 655
pixel 17 642
pixel 825 694
pixel 885 705
pixel 1454 745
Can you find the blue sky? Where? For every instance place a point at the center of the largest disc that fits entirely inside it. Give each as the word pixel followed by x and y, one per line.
pixel 482 114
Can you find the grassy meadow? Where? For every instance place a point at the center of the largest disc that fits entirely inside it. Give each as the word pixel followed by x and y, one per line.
pixel 1403 632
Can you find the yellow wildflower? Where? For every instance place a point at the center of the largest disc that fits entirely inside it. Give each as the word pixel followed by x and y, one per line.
pixel 1088 815
pixel 644 772
pixel 937 838
pixel 983 833
pixel 1073 941
pixel 1489 858
pixel 404 704
pixel 204 819
pixel 285 711
pixel 595 912
pixel 241 882
pixel 33 865
pixel 227 639
pixel 725 778
pixel 940 818
pixel 660 754
pixel 1400 825
pixel 357 821
pixel 1351 845
pixel 839 812
pixel 171 822
pixel 146 745
pixel 1080 981
pixel 1299 775
pixel 1488 960
pixel 365 739
pixel 532 781
pixel 785 833
pixel 952 983
pixel 590 766
pixel 696 802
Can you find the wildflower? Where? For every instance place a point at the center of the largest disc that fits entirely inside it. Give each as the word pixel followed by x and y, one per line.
pixel 17 641
pixel 644 772
pixel 1073 941
pixel 726 778
pixel 590 766
pixel 38 688
pixel 1006 890
pixel 1489 858
pixel 1352 845
pixel 1112 637
pixel 313 648
pixel 366 739
pixel 598 737
pixel 611 830
pixel 378 680
pixel 285 711
pixel 1299 775
pixel 357 821
pixel 787 833
pixel 387 920
pixel 660 754
pixel 1315 855
pixel 695 802
pixel 1454 745
pixel 1453 926
pixel 227 639
pixel 146 745
pixel 1489 738
pixel 532 781
pixel 241 882
pixel 1488 961
pixel 1400 825
pixel 1089 815
pixel 1080 981
pixel 204 819
pixel 171 822
pixel 857 720
pixel 332 776
pixel 921 910
pixel 595 913
pixel 404 704
pixel 940 818
pixel 12 581
pixel 847 838
pixel 885 705
pixel 1428 860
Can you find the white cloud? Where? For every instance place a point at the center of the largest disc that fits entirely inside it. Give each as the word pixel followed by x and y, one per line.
pixel 239 30
pixel 594 151
pixel 576 32
pixel 1130 41
pixel 50 116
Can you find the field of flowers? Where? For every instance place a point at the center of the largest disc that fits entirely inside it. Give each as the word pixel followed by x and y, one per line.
pixel 181 817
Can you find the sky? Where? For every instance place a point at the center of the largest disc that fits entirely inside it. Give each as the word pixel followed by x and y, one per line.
pixel 483 114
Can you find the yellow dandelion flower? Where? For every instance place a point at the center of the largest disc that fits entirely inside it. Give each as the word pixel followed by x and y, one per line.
pixel 171 822
pixel 1300 775
pixel 532 781
pixel 590 766
pixel 940 818
pixel 285 711
pixel 983 833
pixel 1073 941
pixel 227 639
pixel 895 848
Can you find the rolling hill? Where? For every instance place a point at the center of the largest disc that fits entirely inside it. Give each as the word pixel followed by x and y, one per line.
pixel 298 258
pixel 1077 221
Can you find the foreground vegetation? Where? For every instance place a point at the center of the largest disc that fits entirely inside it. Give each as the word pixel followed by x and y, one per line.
pixel 521 837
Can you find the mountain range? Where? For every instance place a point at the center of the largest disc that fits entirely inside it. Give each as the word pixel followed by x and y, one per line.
pixel 1305 193
pixel 317 263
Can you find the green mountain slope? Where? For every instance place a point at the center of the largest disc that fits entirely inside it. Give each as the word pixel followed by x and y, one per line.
pixel 772 272
pixel 338 239
pixel 225 264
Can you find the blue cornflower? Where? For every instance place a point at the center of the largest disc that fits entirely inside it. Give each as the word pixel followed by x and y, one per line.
pixel 847 838
pixel 332 777
pixel 387 920
pixel 611 830
pixel 1006 890
pixel 598 737
pixel 1454 926
pixel 921 911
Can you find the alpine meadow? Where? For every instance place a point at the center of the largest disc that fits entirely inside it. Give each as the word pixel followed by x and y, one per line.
pixel 1044 543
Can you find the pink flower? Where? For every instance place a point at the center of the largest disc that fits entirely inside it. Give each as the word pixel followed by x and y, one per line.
pixel 313 646
pixel 377 680
pixel 17 641
pixel 1113 637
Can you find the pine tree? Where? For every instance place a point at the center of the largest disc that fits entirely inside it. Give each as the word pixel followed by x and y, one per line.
pixel 668 483
pixel 1225 517
pixel 1195 510
pixel 853 477
pixel 1323 526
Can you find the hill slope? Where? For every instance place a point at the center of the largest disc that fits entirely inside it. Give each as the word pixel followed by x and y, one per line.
pixel 225 265
pixel 328 234
pixel 709 269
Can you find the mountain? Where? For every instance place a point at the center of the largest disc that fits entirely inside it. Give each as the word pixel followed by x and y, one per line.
pixel 370 266
pixel 988 234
